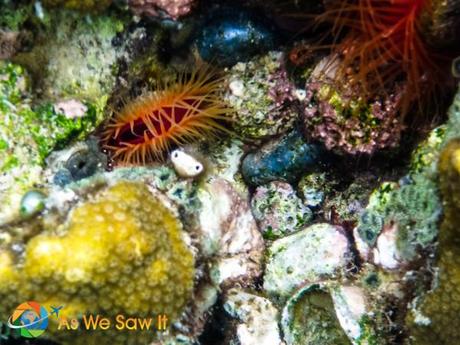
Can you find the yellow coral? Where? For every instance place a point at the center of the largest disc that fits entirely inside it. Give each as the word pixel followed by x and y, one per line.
pixel 81 5
pixel 440 310
pixel 121 253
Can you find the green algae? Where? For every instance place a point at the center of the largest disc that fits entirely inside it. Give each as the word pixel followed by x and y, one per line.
pixel 28 134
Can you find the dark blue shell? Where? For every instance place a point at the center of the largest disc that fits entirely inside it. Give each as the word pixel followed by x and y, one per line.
pixel 230 37
pixel 285 160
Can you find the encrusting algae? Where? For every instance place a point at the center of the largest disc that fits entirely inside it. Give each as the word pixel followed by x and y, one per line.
pixel 438 321
pixel 121 253
pixel 85 5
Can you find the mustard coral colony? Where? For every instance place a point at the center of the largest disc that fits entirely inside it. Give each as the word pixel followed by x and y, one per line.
pixel 179 112
pixel 120 252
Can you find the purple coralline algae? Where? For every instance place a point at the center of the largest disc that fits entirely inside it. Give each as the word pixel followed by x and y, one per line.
pixel 173 9
pixel 346 123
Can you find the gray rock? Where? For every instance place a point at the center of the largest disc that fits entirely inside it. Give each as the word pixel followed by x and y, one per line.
pixel 317 253
pixel 278 210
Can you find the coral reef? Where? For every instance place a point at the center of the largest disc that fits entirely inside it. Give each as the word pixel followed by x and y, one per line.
pixel 257 316
pixel 77 162
pixel 313 188
pixel 161 8
pixel 93 264
pixel 229 233
pixel 262 96
pixel 313 215
pixel 413 208
pixel 185 110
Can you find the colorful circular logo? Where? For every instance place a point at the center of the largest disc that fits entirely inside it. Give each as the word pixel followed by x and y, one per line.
pixel 30 319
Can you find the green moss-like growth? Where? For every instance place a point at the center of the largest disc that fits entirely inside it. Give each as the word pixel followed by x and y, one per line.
pixel 437 320
pixel 413 204
pixel 120 253
pixel 425 156
pixel 13 14
pixel 41 128
pixel 414 207
pixel 369 335
pixel 28 135
pixel 80 5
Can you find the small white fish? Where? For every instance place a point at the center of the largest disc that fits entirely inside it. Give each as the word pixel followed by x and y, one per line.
pixel 185 165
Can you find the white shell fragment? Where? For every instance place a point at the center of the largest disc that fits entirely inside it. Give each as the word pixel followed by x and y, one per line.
pixel 386 253
pixel 237 87
pixel 185 165
pixel 71 108
pixel 351 306
pixel 258 318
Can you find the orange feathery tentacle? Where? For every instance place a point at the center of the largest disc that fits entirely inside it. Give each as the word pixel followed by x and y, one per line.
pixel 383 45
pixel 176 113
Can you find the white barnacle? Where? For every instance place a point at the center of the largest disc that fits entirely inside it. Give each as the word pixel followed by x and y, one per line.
pixel 185 165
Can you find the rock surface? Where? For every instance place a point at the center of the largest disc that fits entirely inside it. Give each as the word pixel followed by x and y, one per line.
pixel 319 252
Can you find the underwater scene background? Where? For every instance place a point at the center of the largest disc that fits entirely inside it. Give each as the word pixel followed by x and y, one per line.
pixel 211 172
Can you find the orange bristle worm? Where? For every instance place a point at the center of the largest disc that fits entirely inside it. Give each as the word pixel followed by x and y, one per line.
pixel 174 114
